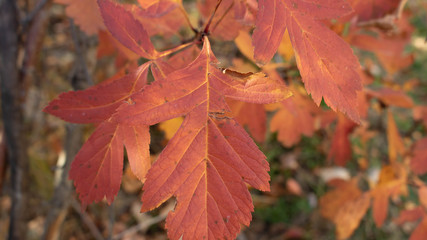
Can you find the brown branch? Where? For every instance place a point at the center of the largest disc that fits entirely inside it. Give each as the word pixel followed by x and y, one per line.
pixel 63 189
pixel 12 98
pixel 80 79
pixel 144 225
pixel 388 21
pixel 33 14
pixel 86 220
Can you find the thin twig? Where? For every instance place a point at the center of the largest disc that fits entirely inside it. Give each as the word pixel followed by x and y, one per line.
pixel 73 142
pixel 175 49
pixel 87 220
pixel 400 8
pixel 206 29
pixel 111 219
pixel 29 18
pixel 388 21
pixel 143 226
pixel 81 69
pixel 222 17
pixel 181 8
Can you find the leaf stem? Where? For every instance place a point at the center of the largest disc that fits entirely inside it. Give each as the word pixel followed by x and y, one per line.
pixel 222 17
pixel 181 8
pixel 175 49
pixel 206 30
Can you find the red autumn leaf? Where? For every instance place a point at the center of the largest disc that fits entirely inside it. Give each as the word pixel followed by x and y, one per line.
pixel 98 166
pixel 126 29
pixel 109 46
pixel 392 97
pixel 420 232
pixel 208 162
pixel 371 9
pixel 419 159
pixel 99 102
pixel 420 113
pixel 326 62
pixel 85 14
pixel 228 19
pixel 410 215
pixel 161 19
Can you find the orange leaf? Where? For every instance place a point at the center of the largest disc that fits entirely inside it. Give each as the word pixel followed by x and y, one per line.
pixel 285 48
pixel 326 62
pixel 392 97
pixel 422 196
pixel 292 120
pixel 332 201
pixel 251 115
pixel 157 8
pixel 243 42
pixel 392 181
pixel 170 127
pixel 380 205
pixel 340 150
pixel 395 143
pixel 349 216
pixel 85 14
pixel 137 140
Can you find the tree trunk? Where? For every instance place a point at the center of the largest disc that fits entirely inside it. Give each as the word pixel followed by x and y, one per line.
pixel 12 99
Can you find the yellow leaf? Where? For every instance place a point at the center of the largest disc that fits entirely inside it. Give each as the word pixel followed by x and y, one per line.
pixel 170 127
pixel 285 47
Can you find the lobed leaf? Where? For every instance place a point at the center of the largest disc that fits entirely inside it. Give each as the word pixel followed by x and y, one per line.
pixel 208 162
pixel 99 102
pixel 126 29
pixel 85 14
pixel 326 62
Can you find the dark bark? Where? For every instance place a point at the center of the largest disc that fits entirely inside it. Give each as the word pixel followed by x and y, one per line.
pixel 12 99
